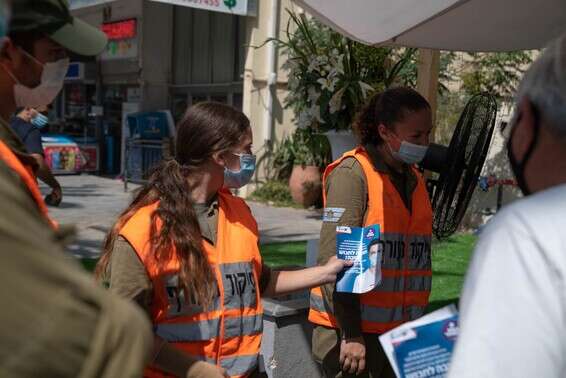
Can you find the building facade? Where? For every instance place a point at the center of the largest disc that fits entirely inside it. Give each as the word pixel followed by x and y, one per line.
pixel 172 54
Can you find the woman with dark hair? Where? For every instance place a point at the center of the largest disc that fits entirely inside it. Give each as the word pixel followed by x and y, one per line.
pixel 186 250
pixel 377 183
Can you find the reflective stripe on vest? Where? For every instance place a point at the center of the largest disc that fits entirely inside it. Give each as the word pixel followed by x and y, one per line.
pixel 28 178
pixel 405 241
pixel 210 329
pixel 228 333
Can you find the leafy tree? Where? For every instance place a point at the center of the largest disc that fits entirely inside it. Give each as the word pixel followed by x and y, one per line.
pixel 495 73
pixel 408 74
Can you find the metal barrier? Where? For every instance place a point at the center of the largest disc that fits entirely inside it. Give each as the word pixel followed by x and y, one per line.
pixel 142 155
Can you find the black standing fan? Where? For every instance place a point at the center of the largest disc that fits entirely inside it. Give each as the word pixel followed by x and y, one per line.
pixel 459 165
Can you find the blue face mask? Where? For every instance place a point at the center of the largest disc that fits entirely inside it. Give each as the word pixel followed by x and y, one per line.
pixel 237 179
pixel 39 121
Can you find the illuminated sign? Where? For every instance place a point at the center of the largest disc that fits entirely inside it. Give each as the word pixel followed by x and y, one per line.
pixel 120 30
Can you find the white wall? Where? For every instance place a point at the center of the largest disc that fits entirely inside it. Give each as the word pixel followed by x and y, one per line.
pixel 255 84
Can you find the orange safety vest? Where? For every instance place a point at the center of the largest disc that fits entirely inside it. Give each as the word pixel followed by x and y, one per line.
pixel 229 333
pixel 405 241
pixel 27 176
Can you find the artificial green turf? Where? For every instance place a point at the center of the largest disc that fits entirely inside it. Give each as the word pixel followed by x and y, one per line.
pixel 281 254
pixel 450 260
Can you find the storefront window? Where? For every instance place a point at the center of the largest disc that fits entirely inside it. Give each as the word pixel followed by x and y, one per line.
pixel 208 58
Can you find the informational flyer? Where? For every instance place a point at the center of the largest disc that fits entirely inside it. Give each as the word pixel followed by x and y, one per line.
pixel 423 348
pixel 360 245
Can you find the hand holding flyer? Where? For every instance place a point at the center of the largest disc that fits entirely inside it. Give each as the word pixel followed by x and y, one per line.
pixel 360 245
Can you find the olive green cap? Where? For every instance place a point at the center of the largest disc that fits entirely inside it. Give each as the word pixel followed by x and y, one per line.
pixel 53 18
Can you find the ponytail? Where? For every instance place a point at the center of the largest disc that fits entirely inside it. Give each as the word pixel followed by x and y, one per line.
pixel 174 228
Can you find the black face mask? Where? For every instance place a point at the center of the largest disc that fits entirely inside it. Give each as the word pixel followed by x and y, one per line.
pixel 518 167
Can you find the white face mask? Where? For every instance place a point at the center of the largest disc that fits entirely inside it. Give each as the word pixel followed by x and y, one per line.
pixel 52 79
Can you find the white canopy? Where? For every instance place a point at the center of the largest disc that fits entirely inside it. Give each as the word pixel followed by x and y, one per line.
pixel 462 25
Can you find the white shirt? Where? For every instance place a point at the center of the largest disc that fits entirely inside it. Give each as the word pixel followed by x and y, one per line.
pixel 513 305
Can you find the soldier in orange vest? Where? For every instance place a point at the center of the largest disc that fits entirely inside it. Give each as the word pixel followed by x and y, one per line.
pixel 56 322
pixel 186 249
pixel 377 183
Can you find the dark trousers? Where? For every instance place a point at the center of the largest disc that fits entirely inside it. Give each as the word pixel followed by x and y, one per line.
pixel 326 351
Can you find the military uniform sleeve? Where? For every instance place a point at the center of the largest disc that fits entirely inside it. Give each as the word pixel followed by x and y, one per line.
pixel 346 202
pixel 56 322
pixel 128 276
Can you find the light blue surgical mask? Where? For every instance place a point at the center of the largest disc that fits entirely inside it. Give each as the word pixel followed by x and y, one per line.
pixel 39 121
pixel 237 179
pixel 409 153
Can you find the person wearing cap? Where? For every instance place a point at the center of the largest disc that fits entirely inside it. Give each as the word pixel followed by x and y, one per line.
pixel 33 64
pixel 56 322
pixel 513 304
pixel 27 123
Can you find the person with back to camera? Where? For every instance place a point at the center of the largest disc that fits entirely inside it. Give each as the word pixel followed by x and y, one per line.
pixel 513 302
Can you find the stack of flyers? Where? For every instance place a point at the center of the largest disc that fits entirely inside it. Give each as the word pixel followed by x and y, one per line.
pixel 423 348
pixel 360 245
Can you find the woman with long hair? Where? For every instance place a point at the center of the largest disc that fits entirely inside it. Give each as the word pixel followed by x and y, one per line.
pixel 186 250
pixel 377 183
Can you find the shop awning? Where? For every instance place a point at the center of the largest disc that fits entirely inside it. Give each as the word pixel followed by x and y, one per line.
pixel 465 25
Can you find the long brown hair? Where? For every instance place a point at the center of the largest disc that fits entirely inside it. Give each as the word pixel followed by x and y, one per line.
pixel 206 129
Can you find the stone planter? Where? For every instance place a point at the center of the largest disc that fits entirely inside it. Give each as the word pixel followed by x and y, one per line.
pixel 305 185
pixel 340 142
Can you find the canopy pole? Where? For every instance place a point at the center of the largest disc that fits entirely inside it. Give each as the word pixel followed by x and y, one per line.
pixel 427 79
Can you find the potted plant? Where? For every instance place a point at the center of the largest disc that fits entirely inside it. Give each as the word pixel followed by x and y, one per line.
pixel 331 76
pixel 310 154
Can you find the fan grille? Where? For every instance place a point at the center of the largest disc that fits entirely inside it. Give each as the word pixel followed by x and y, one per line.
pixel 466 155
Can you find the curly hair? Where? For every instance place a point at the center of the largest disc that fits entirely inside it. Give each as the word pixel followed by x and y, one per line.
pixel 386 108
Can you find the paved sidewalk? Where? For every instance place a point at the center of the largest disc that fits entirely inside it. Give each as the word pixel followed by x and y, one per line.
pixel 92 203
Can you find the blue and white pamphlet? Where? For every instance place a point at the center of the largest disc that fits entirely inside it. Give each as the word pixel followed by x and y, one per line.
pixel 360 245
pixel 423 348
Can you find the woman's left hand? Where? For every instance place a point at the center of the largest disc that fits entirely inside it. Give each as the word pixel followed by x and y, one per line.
pixel 334 266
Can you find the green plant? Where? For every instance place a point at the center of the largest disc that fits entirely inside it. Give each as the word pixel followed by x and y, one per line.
pixel 495 73
pixel 310 148
pixel 330 76
pixel 274 192
pixel 408 73
pixel 282 161
pixel 450 107
pixel 304 147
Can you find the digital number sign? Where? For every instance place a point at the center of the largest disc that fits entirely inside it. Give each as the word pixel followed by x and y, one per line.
pixel 120 30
